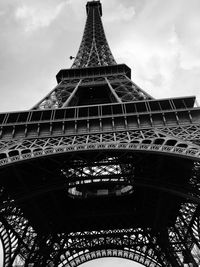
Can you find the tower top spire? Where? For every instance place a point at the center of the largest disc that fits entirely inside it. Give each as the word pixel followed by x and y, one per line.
pixel 94 50
pixel 97 78
pixel 94 4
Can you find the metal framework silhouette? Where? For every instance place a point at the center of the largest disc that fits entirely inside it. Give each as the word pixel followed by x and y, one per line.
pixel 98 168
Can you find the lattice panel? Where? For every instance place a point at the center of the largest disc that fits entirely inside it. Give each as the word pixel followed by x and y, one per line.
pixel 144 140
pixel 137 247
pixel 9 244
pixel 188 132
pixel 103 129
pixel 60 95
pixel 126 89
pixel 185 235
pixel 94 49
pixel 122 89
pixel 138 136
pixel 21 234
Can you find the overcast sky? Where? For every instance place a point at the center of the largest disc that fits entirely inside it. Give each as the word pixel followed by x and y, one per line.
pixel 158 39
pixel 111 262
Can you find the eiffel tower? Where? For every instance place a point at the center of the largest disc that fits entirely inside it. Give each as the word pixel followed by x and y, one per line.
pixel 99 168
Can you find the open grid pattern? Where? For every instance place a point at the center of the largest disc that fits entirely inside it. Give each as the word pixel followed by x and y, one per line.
pixel 149 140
pixel 94 49
pixel 66 93
pixel 131 123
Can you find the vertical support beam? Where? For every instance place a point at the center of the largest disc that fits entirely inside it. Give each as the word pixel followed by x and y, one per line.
pixel 72 95
pixel 113 91
pixel 188 257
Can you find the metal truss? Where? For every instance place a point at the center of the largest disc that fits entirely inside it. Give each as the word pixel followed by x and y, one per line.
pixel 185 235
pixel 17 236
pixel 8 243
pixel 94 49
pixel 125 89
pixel 120 89
pixel 145 246
pixel 139 245
pixel 23 247
pixel 179 245
pixel 149 140
pixel 188 132
pixel 100 135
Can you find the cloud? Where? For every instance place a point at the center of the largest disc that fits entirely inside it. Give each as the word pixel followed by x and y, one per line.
pixel 37 15
pixel 120 12
pixel 162 46
pixel 158 39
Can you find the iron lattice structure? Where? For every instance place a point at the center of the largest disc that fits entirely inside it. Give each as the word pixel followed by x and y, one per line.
pixel 98 168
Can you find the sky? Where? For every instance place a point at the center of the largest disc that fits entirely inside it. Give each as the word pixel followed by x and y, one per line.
pixel 158 39
pixel 111 262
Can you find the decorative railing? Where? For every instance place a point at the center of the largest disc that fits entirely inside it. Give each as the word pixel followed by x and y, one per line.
pixel 188 152
pixel 125 254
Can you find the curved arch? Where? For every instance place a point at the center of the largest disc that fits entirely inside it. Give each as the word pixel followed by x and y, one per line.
pixel 13 153
pixel 171 142
pixel 14 156
pixel 159 141
pixel 133 255
pixel 3 156
pixel 25 151
pixel 147 141
pixel 112 261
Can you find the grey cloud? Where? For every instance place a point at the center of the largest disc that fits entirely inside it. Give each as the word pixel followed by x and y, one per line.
pixel 140 32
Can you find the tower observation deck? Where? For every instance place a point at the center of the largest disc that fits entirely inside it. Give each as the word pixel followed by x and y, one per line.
pixel 99 168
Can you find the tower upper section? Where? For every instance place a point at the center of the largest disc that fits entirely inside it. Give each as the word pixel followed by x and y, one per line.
pixel 94 49
pixel 94 78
